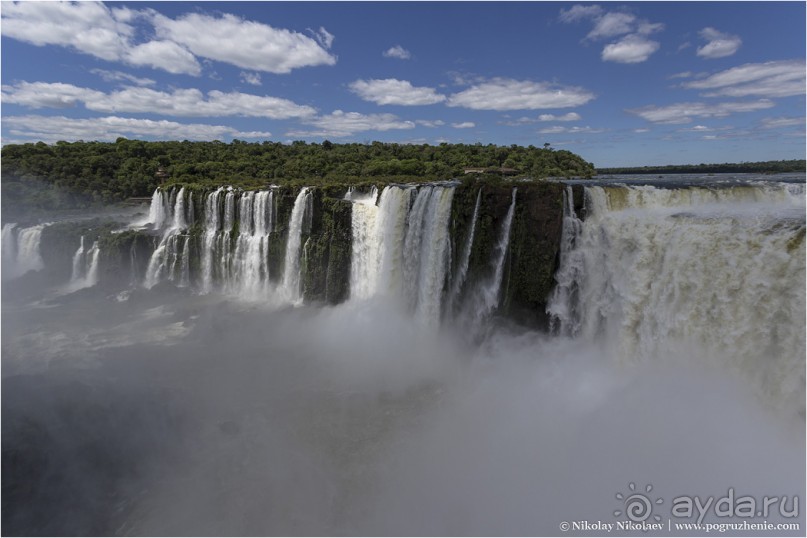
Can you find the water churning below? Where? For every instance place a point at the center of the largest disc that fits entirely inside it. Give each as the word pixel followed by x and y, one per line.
pixel 210 397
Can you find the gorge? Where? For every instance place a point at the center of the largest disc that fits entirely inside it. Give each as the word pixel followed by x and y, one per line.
pixel 494 356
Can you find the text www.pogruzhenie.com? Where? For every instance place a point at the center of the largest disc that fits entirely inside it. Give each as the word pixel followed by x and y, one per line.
pixel 632 526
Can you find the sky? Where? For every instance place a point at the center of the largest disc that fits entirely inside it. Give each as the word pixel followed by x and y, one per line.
pixel 619 83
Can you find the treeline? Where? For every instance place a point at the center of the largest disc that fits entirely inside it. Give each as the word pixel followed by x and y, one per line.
pixel 763 167
pixel 83 173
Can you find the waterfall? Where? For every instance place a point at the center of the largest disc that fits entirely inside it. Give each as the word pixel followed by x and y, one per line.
pixel 390 232
pixel 92 270
pixel 465 258
pixel 184 267
pixel 399 251
pixel 485 296
pixel 85 267
pixel 290 286
pixel 9 240
pixel 28 256
pixel 413 243
pixel 250 272
pixel 157 210
pixel 234 244
pixel 224 246
pixel 21 249
pixel 714 270
pixel 364 256
pixel 434 256
pixel 378 235
pixel 212 224
pixel 166 259
pixel 78 262
pixel 562 306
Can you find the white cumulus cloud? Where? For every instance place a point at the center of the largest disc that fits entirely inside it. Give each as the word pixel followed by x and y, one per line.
pixel 92 28
pixel 250 78
pixel 88 27
pixel 770 79
pixel 579 12
pixel 397 52
pixel 341 124
pixel 246 44
pixel 571 116
pixel 612 24
pixel 119 76
pixel 430 123
pixel 634 45
pixel 464 125
pixel 165 55
pixel 719 44
pixel 777 123
pixel 685 112
pixel 48 95
pixel 508 94
pixel 179 102
pixel 630 49
pixel 558 129
pixel 55 128
pixel 395 92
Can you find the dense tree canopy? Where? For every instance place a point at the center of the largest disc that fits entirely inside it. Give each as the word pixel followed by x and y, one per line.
pixel 81 173
pixel 765 167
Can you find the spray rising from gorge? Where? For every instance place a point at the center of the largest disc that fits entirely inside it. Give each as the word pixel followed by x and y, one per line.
pixel 334 360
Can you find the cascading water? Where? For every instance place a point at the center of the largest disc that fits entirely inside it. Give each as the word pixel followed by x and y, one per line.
pixel 465 258
pixel 9 240
pixel 78 262
pixel 290 286
pixel 21 249
pixel 85 267
pixel 399 251
pixel 250 271
pixel 485 297
pixel 717 271
pixel 157 210
pixel 166 259
pixel 364 258
pixel 358 397
pixel 212 227
pixel 433 257
pixel 378 236
pixel 563 305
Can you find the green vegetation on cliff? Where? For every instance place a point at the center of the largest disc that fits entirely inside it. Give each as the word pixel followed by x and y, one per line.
pixel 81 174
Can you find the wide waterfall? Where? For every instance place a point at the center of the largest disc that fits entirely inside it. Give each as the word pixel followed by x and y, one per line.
pixel 481 356
pixel 400 244
pixel 400 247
pixel 651 271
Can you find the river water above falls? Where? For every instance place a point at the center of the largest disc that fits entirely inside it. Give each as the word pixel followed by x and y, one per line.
pixel 394 361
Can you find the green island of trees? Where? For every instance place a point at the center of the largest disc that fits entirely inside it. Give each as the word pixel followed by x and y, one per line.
pixel 80 174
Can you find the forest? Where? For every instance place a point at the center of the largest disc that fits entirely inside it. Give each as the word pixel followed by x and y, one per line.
pixel 81 174
pixel 763 167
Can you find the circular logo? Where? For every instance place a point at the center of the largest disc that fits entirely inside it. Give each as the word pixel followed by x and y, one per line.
pixel 637 507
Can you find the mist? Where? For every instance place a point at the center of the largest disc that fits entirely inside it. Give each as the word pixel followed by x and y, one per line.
pixel 208 416
pixel 161 410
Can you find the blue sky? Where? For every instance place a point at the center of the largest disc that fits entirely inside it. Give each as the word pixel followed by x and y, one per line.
pixel 636 83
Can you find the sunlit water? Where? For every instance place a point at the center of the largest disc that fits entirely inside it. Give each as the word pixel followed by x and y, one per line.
pixel 165 410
